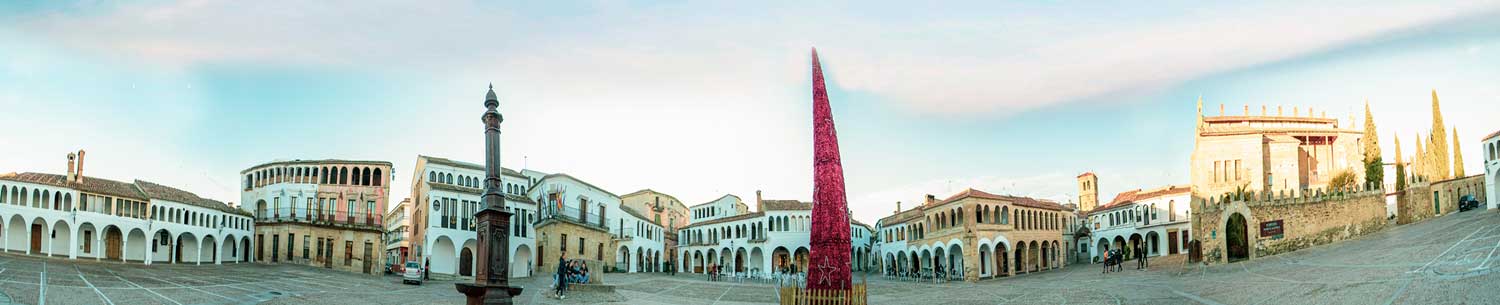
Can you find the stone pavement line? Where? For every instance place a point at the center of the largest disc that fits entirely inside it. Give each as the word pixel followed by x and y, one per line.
pixel 721 295
pixel 195 288
pixel 313 283
pixel 1487 257
pixel 91 285
pixel 1194 298
pixel 1402 290
pixel 1445 252
pixel 117 275
pixel 42 296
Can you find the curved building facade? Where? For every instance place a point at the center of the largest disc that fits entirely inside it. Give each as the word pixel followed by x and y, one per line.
pixel 321 213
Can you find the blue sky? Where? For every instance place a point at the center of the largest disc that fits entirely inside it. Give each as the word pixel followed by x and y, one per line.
pixel 699 100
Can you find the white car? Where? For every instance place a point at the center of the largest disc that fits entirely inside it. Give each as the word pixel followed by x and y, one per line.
pixel 412 274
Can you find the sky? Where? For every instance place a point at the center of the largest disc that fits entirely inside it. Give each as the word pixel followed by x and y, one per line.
pixel 699 99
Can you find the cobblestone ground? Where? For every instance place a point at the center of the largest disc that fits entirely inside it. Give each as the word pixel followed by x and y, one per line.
pixel 1449 260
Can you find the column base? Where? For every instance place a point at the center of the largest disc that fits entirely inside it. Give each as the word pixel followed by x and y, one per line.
pixel 478 294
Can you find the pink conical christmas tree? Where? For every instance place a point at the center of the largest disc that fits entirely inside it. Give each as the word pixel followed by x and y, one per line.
pixel 829 261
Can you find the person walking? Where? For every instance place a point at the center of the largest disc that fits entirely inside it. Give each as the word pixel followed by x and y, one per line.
pixel 1119 260
pixel 426 269
pixel 1140 257
pixel 562 276
pixel 1105 261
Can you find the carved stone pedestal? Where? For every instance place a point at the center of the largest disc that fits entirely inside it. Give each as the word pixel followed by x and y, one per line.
pixel 492 261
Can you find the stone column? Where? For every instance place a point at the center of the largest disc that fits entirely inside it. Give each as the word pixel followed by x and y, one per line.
pixel 492 260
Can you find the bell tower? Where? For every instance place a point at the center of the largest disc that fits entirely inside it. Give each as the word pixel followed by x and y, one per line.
pixel 1088 192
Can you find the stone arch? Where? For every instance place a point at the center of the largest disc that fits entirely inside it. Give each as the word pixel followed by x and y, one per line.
pixel 136 245
pixel 622 258
pixel 212 245
pixel 1236 238
pixel 520 265
pixel 1153 241
pixel 956 260
pixel 245 249
pixel 60 239
pixel 800 257
pixel 1002 259
pixel 444 256
pixel 1101 248
pixel 38 236
pixel 227 249
pixel 187 248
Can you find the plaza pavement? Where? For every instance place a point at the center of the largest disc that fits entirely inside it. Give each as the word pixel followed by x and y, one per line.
pixel 1447 260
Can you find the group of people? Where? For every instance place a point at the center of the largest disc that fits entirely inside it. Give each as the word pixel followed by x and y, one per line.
pixel 1116 257
pixel 574 271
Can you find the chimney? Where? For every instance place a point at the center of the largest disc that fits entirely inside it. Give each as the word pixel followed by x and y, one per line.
pixel 78 174
pixel 931 199
pixel 898 208
pixel 1221 109
pixel 1247 109
pixel 758 205
pixel 71 156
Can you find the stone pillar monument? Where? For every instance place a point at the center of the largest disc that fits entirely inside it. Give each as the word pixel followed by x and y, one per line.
pixel 829 260
pixel 492 260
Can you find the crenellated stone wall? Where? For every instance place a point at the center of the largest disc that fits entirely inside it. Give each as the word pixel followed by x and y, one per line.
pixel 1320 217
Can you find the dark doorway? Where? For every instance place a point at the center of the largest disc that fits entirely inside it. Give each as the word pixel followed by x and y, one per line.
pixel 1236 237
pixel 368 249
pixel 466 263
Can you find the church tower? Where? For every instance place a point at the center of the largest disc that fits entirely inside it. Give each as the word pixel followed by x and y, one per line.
pixel 1088 192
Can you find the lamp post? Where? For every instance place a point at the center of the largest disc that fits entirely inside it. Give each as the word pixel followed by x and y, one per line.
pixel 491 281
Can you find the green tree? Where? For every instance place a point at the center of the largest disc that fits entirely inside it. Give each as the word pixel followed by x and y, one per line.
pixel 1374 166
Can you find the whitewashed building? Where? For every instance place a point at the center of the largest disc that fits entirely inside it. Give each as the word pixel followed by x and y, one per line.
pixel 80 217
pixel 773 239
pixel 1492 169
pixel 1156 217
pixel 445 195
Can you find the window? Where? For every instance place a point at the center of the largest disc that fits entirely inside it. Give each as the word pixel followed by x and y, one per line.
pixel 305 240
pixel 580 247
pixel 290 241
pixel 1236 170
pixel 349 211
pixel 564 244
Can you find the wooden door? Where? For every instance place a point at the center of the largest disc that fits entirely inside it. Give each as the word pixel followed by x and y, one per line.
pixel 1171 243
pixel 368 248
pixel 36 239
pixel 328 256
pixel 88 242
pixel 112 245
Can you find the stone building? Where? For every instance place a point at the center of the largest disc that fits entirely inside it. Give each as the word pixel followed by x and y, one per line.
pixel 974 235
pixel 662 209
pixel 588 223
pixel 1237 227
pixel 1491 145
pixel 335 208
pixel 1423 200
pixel 1272 153
pixel 1088 192
pixel 75 216
pixel 1157 218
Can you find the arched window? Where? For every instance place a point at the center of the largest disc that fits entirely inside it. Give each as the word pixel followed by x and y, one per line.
pixel 377 177
pixel 449 178
pixel 356 180
pixel 365 175
pixel 324 175
pixel 343 175
pixel 432 177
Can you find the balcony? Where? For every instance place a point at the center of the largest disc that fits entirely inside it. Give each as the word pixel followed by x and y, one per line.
pixel 333 218
pixel 592 219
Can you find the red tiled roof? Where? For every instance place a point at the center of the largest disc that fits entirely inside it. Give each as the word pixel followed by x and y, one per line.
pixel 90 184
pixel 1085 174
pixel 1492 135
pixel 1135 195
pixel 786 205
pixel 1017 200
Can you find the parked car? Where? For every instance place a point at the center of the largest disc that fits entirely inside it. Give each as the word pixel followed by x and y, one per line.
pixel 413 273
pixel 1467 202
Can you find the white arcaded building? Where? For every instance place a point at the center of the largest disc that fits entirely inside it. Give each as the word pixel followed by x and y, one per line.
pixel 80 217
pixel 773 239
